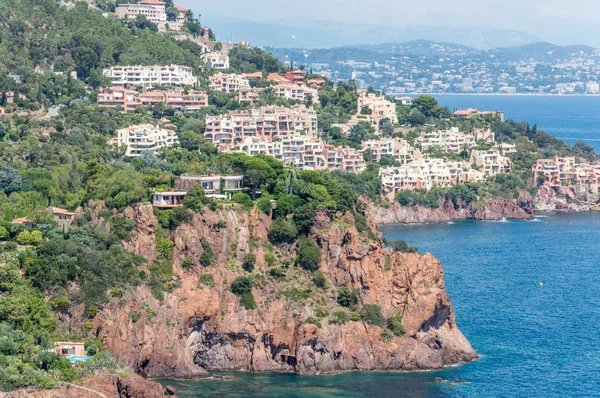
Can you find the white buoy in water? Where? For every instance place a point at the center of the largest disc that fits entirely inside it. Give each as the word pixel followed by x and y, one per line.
pixel 541 284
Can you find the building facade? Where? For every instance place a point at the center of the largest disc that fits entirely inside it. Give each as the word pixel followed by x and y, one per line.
pixel 129 100
pixel 145 137
pixel 380 107
pixel 151 76
pixel 216 60
pixel 227 83
pixel 296 92
pixel 153 10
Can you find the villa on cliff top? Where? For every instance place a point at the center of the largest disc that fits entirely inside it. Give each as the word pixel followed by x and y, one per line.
pixel 215 186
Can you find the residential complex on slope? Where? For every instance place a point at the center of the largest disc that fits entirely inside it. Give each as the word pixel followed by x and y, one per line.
pixel 151 76
pixel 145 138
pixel 129 100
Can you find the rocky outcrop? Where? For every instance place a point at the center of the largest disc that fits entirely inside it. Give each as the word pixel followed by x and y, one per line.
pixel 201 326
pixel 103 385
pixel 566 198
pixel 491 210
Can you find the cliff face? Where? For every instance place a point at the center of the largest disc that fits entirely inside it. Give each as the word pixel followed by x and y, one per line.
pixel 568 198
pixel 202 326
pixel 492 210
pixel 103 385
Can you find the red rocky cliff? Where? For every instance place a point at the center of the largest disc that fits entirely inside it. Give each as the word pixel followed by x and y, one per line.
pixel 202 327
pixel 491 210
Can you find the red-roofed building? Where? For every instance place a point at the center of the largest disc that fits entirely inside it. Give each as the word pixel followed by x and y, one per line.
pixel 296 77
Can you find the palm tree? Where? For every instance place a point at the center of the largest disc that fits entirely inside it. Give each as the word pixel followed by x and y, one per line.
pixel 292 177
pixel 189 15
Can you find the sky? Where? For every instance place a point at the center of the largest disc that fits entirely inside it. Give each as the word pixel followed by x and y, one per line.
pixel 557 21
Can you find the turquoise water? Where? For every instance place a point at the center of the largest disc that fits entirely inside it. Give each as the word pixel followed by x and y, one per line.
pixel 569 118
pixel 534 341
pixel 79 358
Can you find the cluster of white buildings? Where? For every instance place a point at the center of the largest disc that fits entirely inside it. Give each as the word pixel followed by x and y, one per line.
pixel 559 171
pixel 150 76
pixel 264 122
pixel 145 138
pixel 425 173
pixel 420 171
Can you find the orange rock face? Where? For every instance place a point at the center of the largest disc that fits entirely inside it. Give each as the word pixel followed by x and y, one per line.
pixel 491 210
pixel 201 326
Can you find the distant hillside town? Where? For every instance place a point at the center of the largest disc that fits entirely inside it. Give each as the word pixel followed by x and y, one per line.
pixel 429 67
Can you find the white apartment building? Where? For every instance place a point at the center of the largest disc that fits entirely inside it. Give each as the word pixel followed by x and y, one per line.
pixel 265 122
pixel 227 83
pixel 151 76
pixel 145 137
pixel 153 10
pixel 490 162
pixel 216 60
pixel 296 92
pixel 398 148
pixel 426 173
pixel 381 108
pixel 449 141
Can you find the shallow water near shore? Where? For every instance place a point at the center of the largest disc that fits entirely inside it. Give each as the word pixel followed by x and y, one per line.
pixel 535 341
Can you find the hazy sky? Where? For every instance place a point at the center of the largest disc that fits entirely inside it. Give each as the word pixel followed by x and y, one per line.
pixel 558 21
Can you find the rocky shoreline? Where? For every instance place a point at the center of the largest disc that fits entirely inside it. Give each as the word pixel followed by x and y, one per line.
pixel 497 209
pixel 200 328
pixel 574 198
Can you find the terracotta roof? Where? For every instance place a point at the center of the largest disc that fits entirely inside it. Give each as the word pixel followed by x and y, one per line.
pixel 58 210
pixel 21 220
pixel 180 9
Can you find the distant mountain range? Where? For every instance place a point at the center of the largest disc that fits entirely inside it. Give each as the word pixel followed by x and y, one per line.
pixel 540 52
pixel 325 34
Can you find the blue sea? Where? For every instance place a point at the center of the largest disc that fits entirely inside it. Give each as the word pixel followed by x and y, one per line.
pixel 569 118
pixel 526 295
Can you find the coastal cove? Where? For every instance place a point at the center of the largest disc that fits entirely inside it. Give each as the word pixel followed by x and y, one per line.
pixel 533 340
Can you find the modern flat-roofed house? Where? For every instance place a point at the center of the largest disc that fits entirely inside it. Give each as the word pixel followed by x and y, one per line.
pixel 168 199
pixel 153 10
pixel 212 184
pixel 296 92
pixel 216 60
pixel 70 348
pixel 470 112
pixel 145 137
pixel 227 83
pixel 215 186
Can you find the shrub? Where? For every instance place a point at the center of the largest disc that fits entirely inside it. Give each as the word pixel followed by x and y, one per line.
pixel 277 272
pixel 283 231
pixel 321 313
pixel 295 294
pixel 29 237
pixel 387 335
pixel 269 258
pixel 395 325
pixel 249 262
pixel 248 302
pixel 348 297
pixel 92 347
pixel 135 316
pixel 186 263
pixel 241 286
pixel 340 317
pixel 320 280
pixel 179 216
pixel 196 198
pixel 402 246
pixel 313 321
pixel 61 303
pixel 264 205
pixel 243 198
pixel 371 313
pixel 207 258
pixel 310 257
pixel 207 279
pixel 3 232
